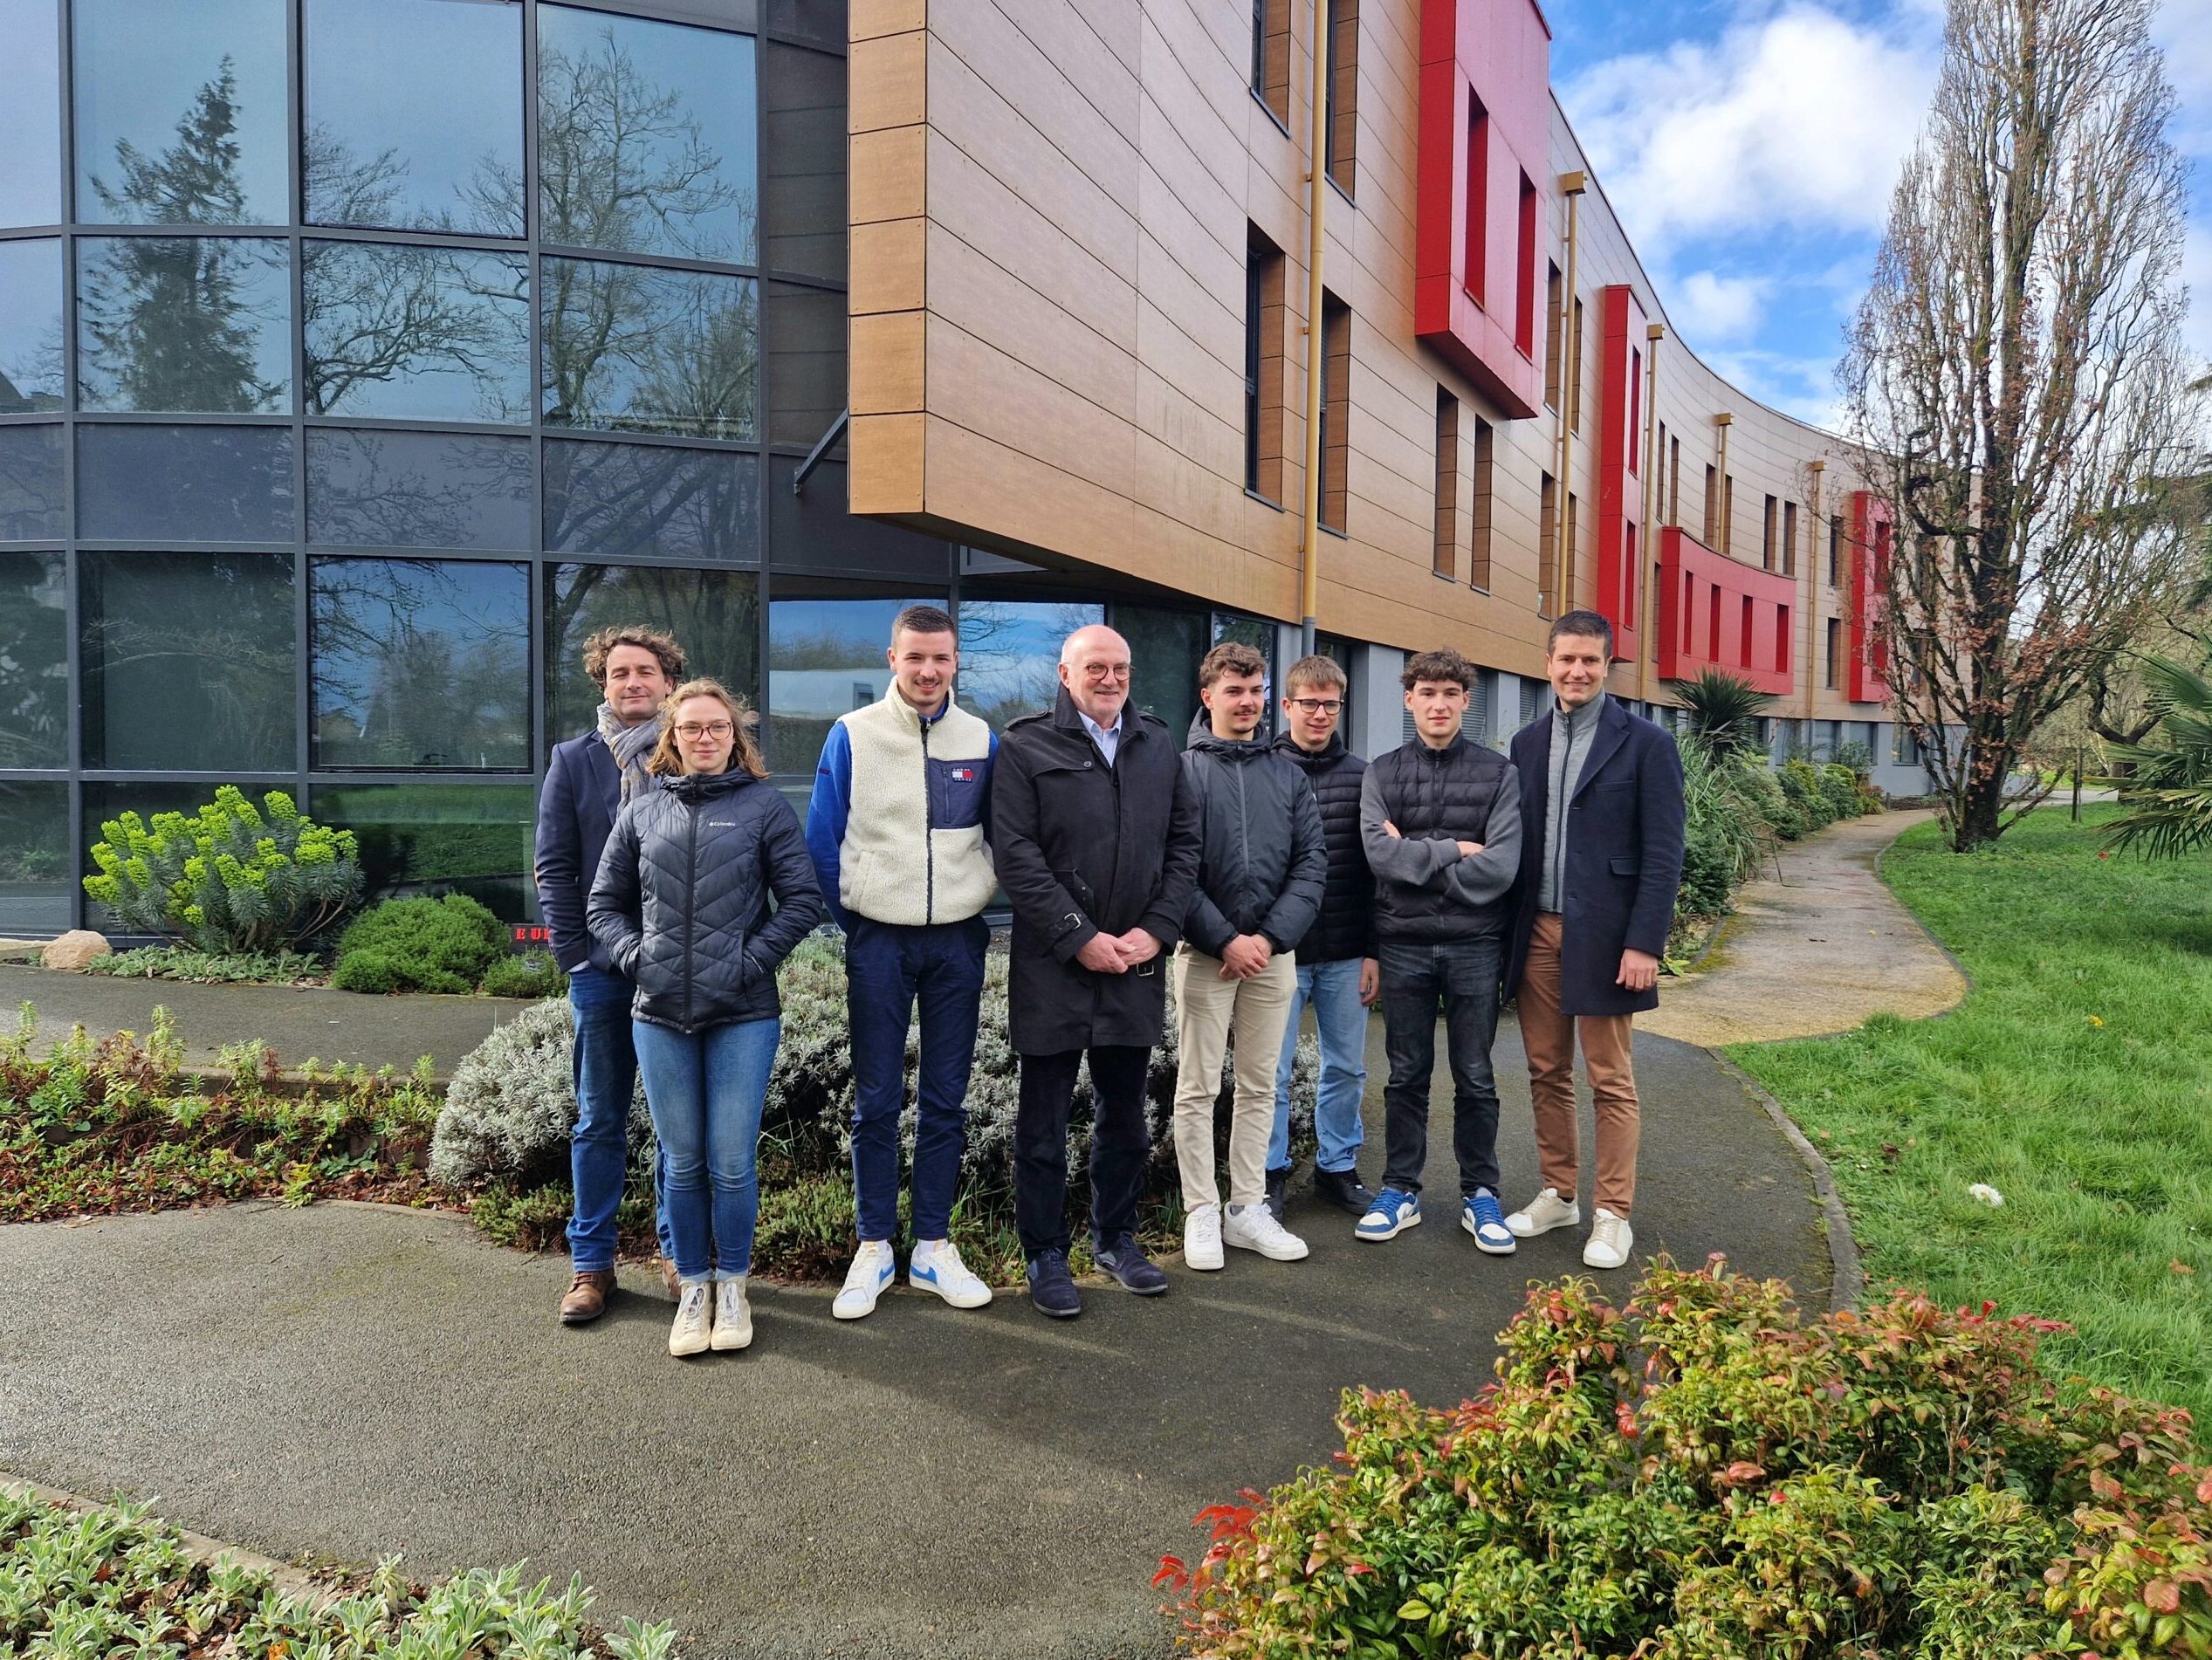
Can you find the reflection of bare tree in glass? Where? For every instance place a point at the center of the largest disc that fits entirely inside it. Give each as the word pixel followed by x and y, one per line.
pixel 1010 655
pixel 190 660
pixel 659 351
pixel 34 672
pixel 715 613
pixel 359 497
pixel 618 499
pixel 413 667
pixel 169 324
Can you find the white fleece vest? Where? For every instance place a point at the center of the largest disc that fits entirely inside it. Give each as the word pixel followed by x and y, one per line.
pixel 913 851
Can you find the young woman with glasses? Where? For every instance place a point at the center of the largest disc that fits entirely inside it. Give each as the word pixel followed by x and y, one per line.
pixel 705 887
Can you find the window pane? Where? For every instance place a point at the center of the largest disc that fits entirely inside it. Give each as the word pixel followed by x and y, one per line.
pixel 34 661
pixel 715 615
pixel 417 490
pixel 1010 654
pixel 803 173
pixel 31 494
pixel 31 371
pixel 30 114
pixel 416 333
pixel 1164 651
pixel 648 350
pixel 825 658
pixel 414 115
pixel 200 324
pixel 625 500
pixel 431 838
pixel 421 664
pixel 35 860
pixel 181 113
pixel 187 661
pixel 184 484
pixel 813 531
pixel 645 136
pixel 806 361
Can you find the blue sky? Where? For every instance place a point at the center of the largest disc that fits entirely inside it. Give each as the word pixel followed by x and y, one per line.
pixel 1750 147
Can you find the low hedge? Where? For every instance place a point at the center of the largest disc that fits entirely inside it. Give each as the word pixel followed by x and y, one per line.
pixel 418 945
pixel 1701 1473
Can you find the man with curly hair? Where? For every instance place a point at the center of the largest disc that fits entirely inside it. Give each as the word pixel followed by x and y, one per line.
pixel 586 781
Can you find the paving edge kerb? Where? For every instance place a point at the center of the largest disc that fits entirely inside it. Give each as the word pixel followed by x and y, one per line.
pixel 1846 1276
pixel 290 1580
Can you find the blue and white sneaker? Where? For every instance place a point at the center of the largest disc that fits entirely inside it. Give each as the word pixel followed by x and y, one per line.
pixel 873 1268
pixel 1480 1216
pixel 935 1266
pixel 1392 1212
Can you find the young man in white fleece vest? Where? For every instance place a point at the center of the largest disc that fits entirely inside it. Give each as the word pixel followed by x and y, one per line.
pixel 897 832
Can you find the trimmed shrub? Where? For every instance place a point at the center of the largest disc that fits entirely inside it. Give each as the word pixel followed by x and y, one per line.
pixel 512 1103
pixel 1800 781
pixel 235 879
pixel 1701 1474
pixel 533 974
pixel 418 945
pixel 1839 787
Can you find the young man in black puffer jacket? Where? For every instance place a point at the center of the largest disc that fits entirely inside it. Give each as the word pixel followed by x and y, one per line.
pixel 1337 972
pixel 1440 819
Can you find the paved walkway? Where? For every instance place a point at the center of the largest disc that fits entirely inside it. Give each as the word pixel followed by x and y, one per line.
pixel 350 1380
pixel 1815 950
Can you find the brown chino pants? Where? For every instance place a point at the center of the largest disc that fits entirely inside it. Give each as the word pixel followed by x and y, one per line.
pixel 1549 1036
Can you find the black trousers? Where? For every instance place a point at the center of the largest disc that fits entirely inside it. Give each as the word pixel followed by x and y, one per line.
pixel 1459 979
pixel 1119 1144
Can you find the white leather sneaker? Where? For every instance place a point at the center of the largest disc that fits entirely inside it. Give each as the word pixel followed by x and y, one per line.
pixel 873 1268
pixel 935 1266
pixel 1254 1228
pixel 732 1314
pixel 1202 1238
pixel 1543 1213
pixel 689 1335
pixel 1610 1241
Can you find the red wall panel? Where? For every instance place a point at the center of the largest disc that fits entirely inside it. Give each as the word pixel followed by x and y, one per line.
pixel 1716 614
pixel 1873 536
pixel 1486 79
pixel 1620 489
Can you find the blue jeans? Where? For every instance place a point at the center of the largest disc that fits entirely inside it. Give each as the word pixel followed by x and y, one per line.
pixel 706 1090
pixel 1459 978
pixel 605 1072
pixel 887 968
pixel 1341 1019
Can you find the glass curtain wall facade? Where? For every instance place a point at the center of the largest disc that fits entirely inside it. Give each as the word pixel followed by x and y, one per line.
pixel 359 358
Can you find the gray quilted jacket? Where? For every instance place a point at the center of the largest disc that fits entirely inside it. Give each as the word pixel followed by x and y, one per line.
pixel 681 903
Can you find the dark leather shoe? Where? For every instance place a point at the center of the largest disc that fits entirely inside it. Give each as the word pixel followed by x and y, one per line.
pixel 1051 1288
pixel 1278 1190
pixel 1125 1260
pixel 587 1298
pixel 1342 1189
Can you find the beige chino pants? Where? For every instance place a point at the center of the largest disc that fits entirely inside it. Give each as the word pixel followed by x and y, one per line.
pixel 1208 1009
pixel 1549 1036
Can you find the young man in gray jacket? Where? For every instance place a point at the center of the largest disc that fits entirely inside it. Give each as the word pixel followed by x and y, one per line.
pixel 1440 819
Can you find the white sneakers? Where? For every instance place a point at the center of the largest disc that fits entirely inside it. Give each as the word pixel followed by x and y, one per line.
pixel 872 1268
pixel 935 1266
pixel 1202 1238
pixel 1253 1227
pixel 1610 1241
pixel 1543 1213
pixel 693 1326
pixel 732 1315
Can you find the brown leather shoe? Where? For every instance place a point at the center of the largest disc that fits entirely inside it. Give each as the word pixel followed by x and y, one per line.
pixel 587 1298
pixel 668 1276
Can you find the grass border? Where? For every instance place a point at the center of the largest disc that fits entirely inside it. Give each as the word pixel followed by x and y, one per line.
pixel 1846 1274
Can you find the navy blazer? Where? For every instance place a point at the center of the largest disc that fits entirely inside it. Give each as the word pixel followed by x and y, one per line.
pixel 1625 827
pixel 576 809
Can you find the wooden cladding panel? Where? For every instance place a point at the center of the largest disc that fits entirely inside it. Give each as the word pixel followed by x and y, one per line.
pixel 887 82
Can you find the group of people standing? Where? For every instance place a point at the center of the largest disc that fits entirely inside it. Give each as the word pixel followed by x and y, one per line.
pixel 1263 876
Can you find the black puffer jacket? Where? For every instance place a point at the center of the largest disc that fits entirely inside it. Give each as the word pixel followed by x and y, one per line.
pixel 681 901
pixel 1346 926
pixel 1262 865
pixel 1426 893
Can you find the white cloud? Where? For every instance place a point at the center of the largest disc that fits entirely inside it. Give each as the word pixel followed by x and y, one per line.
pixel 2183 30
pixel 1799 119
pixel 1804 386
pixel 1708 306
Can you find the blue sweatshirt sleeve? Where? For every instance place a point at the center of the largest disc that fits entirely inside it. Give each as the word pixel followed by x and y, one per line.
pixel 827 812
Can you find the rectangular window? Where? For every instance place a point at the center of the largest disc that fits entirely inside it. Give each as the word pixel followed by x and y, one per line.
pixel 1478 202
pixel 1335 408
pixel 1263 368
pixel 1689 614
pixel 1448 484
pixel 1781 639
pixel 1836 551
pixel 1628 576
pixel 1711 533
pixel 1767 536
pixel 1635 409
pixel 1271 56
pixel 1524 274
pixel 1575 372
pixel 1903 748
pixel 1546 544
pixel 1555 334
pixel 1485 462
pixel 1790 538
pixel 1713 642
pixel 1342 126
pixel 1728 515
pixel 1570 554
pixel 1674 481
pixel 1835 652
pixel 1659 460
pixel 1743 640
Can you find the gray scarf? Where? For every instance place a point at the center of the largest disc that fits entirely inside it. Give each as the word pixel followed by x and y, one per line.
pixel 631 746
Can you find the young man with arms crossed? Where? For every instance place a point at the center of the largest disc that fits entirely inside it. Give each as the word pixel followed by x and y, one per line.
pixel 1096 840
pixel 586 781
pixel 1440 819
pixel 896 830
pixel 1261 870
pixel 1337 973
pixel 1602 793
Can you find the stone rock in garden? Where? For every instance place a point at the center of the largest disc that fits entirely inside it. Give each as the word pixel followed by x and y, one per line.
pixel 75 948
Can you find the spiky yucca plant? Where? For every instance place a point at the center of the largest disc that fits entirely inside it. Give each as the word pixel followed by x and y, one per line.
pixel 2168 790
pixel 1724 709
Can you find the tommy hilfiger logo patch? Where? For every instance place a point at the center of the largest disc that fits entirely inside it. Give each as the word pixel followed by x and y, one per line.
pixel 964 774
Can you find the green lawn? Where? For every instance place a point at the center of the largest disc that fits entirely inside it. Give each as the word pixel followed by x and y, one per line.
pixel 2076 1080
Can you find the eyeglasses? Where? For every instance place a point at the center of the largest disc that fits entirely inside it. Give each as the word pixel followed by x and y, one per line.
pixel 1105 671
pixel 692 731
pixel 1317 705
